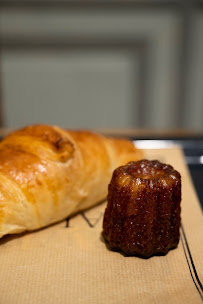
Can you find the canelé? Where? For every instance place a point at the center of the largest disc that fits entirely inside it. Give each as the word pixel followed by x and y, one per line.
pixel 142 216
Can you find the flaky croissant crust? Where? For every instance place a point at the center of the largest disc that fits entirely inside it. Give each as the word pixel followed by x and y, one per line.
pixel 48 173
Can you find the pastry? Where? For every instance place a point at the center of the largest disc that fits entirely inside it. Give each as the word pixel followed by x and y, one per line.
pixel 142 216
pixel 48 173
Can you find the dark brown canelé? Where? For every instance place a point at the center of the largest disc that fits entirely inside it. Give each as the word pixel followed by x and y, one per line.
pixel 142 216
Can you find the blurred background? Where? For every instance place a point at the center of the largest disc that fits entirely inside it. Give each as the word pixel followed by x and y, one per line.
pixel 102 64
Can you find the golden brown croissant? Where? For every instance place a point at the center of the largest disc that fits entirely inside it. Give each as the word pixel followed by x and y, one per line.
pixel 48 173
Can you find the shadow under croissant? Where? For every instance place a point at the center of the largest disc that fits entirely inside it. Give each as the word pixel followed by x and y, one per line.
pixel 10 237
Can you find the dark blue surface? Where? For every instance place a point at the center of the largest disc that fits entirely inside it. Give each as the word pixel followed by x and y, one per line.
pixel 197 176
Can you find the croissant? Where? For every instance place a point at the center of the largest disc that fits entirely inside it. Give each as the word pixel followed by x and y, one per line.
pixel 48 173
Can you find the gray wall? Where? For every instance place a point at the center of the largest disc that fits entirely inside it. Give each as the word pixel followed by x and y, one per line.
pixel 102 67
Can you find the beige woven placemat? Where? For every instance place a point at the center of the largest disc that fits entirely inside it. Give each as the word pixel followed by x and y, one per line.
pixel 69 263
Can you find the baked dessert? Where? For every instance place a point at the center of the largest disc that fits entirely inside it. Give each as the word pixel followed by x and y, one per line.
pixel 48 173
pixel 142 216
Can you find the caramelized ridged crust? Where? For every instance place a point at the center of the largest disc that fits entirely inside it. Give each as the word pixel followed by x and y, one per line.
pixel 143 211
pixel 47 174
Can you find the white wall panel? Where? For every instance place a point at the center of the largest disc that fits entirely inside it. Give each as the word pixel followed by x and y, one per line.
pixel 115 80
pixel 69 89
